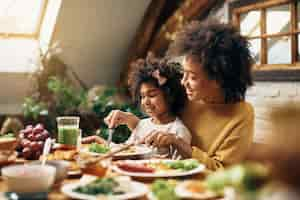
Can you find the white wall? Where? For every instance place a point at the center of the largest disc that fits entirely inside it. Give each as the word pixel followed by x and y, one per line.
pixel 95 36
pixel 12 91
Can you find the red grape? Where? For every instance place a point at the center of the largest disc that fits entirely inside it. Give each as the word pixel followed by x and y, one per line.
pixel 37 154
pixel 27 132
pixel 41 144
pixel 31 137
pixel 26 152
pixel 25 143
pixel 37 130
pixel 34 146
pixel 38 137
pixel 32 141
pixel 21 136
pixel 45 134
pixel 29 127
pixel 39 125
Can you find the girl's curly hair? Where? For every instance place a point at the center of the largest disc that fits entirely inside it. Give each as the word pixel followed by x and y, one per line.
pixel 173 91
pixel 223 53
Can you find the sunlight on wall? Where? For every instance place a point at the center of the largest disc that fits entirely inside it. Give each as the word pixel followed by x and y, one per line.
pixel 18 55
pixel 49 23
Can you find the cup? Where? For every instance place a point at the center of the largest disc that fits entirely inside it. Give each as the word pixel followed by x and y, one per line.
pixel 96 169
pixel 68 130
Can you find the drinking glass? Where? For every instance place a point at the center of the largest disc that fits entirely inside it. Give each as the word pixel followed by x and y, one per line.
pixel 68 130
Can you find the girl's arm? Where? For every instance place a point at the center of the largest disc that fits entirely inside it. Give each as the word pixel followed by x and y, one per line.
pixel 93 138
pixel 117 117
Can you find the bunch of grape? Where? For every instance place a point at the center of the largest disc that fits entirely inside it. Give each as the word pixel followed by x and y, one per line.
pixel 32 140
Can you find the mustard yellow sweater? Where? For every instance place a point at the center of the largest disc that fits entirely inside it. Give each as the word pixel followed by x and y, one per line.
pixel 221 133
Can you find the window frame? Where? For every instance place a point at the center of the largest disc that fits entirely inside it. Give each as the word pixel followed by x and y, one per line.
pixel 34 35
pixel 264 71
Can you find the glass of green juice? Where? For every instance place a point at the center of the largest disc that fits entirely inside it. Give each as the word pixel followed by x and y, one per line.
pixel 68 130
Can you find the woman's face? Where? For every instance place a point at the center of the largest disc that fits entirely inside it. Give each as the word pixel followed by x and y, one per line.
pixel 195 81
pixel 153 101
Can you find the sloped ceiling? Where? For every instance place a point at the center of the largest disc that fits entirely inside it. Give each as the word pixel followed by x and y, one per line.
pixel 96 34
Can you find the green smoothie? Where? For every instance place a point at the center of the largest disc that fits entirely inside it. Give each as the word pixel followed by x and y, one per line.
pixel 68 135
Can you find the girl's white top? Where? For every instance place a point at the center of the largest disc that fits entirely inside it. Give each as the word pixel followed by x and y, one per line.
pixel 146 126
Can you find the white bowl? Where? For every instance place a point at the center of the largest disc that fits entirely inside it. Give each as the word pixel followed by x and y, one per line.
pixel 28 178
pixel 61 168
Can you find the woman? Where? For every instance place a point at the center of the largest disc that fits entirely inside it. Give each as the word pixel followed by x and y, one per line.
pixel 217 72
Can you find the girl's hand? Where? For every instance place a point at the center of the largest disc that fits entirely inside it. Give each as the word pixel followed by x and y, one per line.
pixel 91 139
pixel 117 117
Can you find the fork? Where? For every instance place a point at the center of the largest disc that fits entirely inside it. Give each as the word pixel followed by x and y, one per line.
pixel 110 133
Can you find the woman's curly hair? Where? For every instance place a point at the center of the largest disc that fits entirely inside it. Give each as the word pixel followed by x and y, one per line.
pixel 173 91
pixel 223 53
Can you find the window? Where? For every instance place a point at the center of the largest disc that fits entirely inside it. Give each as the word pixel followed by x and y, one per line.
pixel 21 31
pixel 273 30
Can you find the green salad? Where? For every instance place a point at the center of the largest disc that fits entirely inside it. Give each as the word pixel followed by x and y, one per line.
pixel 8 135
pixel 164 190
pixel 100 186
pixel 184 165
pixel 98 148
pixel 247 177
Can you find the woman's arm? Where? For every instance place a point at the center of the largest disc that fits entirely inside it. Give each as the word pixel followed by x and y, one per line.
pixel 163 139
pixel 233 149
pixel 184 149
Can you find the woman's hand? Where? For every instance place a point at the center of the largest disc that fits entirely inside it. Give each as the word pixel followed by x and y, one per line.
pixel 117 117
pixel 163 139
pixel 160 139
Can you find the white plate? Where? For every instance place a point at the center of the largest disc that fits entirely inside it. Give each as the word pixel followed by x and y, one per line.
pixel 182 192
pixel 161 174
pixel 137 190
pixel 139 151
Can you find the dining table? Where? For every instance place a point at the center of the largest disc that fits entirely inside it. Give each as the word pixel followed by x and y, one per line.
pixel 56 194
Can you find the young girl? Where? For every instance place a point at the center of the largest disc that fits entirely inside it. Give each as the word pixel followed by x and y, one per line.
pixel 157 90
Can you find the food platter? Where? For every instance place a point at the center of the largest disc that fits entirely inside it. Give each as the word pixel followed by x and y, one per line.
pixel 155 168
pixel 194 189
pixel 133 190
pixel 133 151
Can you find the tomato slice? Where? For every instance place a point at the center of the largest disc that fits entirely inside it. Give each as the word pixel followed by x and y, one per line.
pixel 135 167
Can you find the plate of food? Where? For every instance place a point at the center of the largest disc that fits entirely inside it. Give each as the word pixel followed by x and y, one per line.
pixel 158 168
pixel 133 151
pixel 101 188
pixel 194 189
pixel 162 189
pixel 70 157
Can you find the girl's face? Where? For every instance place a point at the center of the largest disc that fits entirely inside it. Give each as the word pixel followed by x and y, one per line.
pixel 195 81
pixel 153 101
